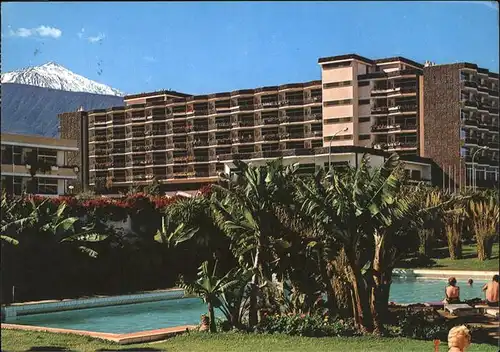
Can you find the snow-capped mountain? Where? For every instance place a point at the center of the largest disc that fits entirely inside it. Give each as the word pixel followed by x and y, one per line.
pixel 55 76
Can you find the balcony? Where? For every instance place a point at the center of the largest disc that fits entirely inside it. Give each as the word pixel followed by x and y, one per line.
pixel 180 145
pixel 199 143
pixel 268 105
pixel 181 130
pixel 201 112
pixel 403 108
pixel 160 161
pixel 118 165
pixel 291 119
pixel 314 134
pixel 469 84
pixel 483 124
pixel 378 110
pixel 269 137
pixel 181 160
pixel 221 141
pixel 118 136
pixel 469 122
pixel 470 140
pixel 222 125
pixel 139 148
pixel 384 128
pixel 270 121
pixel 199 128
pixel 493 111
pixel 288 136
pixel 402 145
pixel 470 104
pixel 313 117
pixel 159 132
pixel 292 102
pixel 161 146
pixel 246 123
pixel 312 100
pixel 198 159
pixel 242 140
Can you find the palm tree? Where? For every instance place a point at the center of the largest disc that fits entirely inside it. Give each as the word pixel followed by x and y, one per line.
pixel 245 211
pixel 17 215
pixel 345 203
pixel 210 287
pixel 485 215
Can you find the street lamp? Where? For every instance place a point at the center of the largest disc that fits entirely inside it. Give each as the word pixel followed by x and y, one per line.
pixel 473 168
pixel 345 129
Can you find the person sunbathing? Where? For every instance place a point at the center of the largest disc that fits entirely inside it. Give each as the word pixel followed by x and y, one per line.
pixel 491 291
pixel 452 292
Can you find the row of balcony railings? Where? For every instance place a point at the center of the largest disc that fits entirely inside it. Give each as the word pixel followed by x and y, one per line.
pixel 468 121
pixel 395 144
pixel 385 109
pixel 393 127
pixel 387 90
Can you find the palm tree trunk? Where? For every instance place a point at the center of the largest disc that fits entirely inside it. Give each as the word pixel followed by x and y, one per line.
pixel 211 317
pixel 252 311
pixel 361 310
pixel 424 239
pixel 376 290
pixel 330 294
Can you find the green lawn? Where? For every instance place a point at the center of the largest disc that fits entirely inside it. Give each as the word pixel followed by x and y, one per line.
pixel 440 260
pixel 198 342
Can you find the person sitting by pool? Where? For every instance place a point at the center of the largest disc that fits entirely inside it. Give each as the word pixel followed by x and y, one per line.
pixel 452 291
pixel 492 293
pixel 470 282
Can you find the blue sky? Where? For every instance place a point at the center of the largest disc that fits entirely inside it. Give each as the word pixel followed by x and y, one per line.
pixel 208 47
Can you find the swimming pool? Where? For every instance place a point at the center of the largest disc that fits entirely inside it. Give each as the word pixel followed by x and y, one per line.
pixel 176 312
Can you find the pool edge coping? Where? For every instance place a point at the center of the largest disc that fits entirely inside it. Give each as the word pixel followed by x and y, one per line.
pixel 122 339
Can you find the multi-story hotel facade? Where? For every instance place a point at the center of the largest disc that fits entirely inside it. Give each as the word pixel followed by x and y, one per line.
pixel 461 123
pixel 18 151
pixel 184 140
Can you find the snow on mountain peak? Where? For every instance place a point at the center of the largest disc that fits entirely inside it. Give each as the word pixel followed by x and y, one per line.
pixel 52 75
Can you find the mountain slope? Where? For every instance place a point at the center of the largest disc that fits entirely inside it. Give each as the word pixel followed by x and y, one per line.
pixel 52 75
pixel 28 109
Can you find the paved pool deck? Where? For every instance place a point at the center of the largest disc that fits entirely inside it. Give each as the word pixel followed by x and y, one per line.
pixel 444 274
pixel 122 339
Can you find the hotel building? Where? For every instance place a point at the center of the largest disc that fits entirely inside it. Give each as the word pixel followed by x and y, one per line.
pixel 184 140
pixel 17 153
pixel 461 122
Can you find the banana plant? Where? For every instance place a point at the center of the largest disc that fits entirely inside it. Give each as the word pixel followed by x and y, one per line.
pixel 210 287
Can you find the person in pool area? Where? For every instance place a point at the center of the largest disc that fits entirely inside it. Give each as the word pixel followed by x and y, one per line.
pixel 492 293
pixel 470 282
pixel 459 338
pixel 452 291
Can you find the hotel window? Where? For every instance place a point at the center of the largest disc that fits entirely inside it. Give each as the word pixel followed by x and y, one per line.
pixel 48 156
pixel 337 84
pixel 337 120
pixel 18 185
pixel 363 83
pixel 364 101
pixel 18 155
pixel 47 186
pixel 364 137
pixel 338 102
pixel 338 138
pixel 364 119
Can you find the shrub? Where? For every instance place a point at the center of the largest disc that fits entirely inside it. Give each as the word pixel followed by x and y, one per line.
pixel 421 324
pixel 307 325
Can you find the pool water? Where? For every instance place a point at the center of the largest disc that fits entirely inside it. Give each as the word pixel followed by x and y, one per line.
pixel 421 291
pixel 175 312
